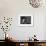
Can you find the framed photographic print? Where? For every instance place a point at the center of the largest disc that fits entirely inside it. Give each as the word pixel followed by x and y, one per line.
pixel 25 20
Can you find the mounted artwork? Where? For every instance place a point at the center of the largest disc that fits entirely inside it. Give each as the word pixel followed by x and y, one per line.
pixel 25 20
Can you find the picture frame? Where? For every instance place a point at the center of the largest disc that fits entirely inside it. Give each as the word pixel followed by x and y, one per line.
pixel 25 20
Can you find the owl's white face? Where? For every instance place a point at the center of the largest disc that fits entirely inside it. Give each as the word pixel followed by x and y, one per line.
pixel 35 3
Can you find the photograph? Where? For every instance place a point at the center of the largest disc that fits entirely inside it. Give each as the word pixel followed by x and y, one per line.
pixel 25 20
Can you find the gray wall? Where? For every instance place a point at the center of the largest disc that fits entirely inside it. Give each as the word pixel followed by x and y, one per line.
pixel 13 8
